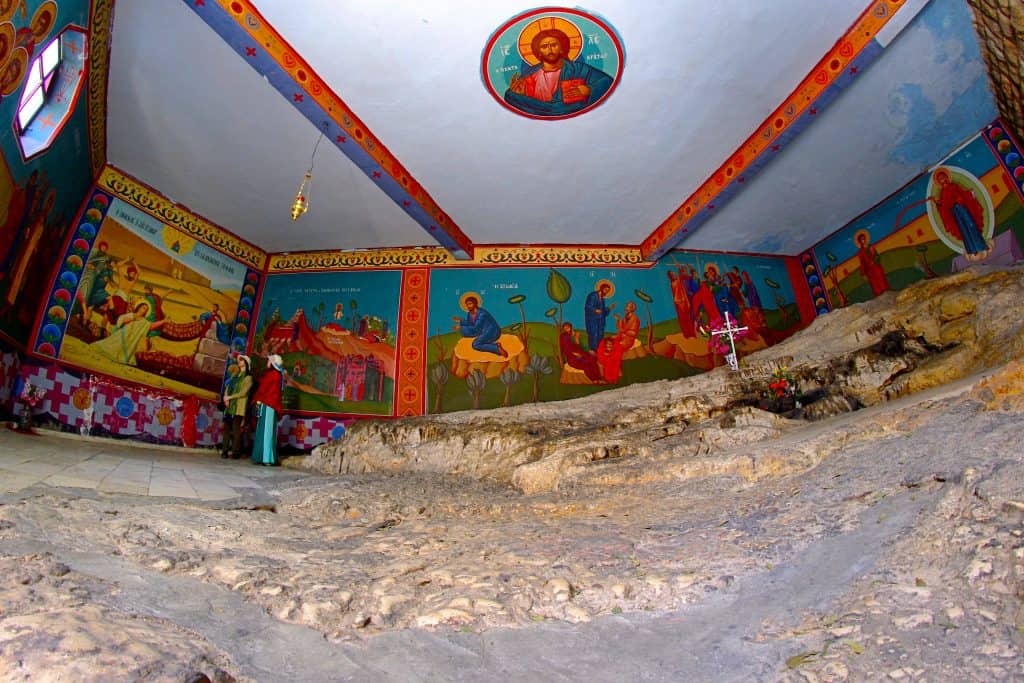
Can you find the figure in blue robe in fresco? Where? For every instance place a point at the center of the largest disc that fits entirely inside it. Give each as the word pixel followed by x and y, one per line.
pixel 556 86
pixel 596 312
pixel 482 326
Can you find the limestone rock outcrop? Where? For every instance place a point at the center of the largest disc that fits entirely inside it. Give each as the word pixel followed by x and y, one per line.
pixel 931 333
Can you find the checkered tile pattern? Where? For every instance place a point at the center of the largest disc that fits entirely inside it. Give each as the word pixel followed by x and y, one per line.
pixel 306 432
pixel 208 424
pixel 120 410
pixel 129 412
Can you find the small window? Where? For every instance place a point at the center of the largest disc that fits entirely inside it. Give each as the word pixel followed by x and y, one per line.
pixel 41 75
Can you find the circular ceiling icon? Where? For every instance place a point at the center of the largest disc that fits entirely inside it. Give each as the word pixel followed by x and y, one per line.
pixel 552 63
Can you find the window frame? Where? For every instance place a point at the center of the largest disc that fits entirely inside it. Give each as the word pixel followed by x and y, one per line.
pixel 45 84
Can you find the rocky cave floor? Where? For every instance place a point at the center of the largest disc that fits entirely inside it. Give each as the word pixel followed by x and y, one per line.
pixel 887 545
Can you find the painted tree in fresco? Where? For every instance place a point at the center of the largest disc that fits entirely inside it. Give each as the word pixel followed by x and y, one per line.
pixel 538 365
pixel 476 382
pixel 830 273
pixel 922 261
pixel 648 300
pixel 319 310
pixel 439 375
pixel 509 378
pixel 780 301
pixel 524 333
pixel 560 290
pixel 353 306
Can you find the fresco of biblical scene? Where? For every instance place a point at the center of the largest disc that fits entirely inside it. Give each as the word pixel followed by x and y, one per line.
pixel 505 336
pixel 548 64
pixel 153 306
pixel 336 334
pixel 712 292
pixel 964 211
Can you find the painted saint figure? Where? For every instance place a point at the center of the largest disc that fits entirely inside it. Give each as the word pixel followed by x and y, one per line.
pixel 596 312
pixel 870 264
pixel 609 359
pixel 156 312
pixel 627 326
pixel 98 263
pixel 480 325
pixel 576 356
pixel 556 85
pixel 678 283
pixel 962 214
pixel 127 333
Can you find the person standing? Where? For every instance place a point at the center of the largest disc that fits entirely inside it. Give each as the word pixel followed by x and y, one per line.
pixel 236 405
pixel 267 399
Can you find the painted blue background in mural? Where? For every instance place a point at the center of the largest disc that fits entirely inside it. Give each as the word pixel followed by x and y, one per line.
pixel 336 333
pixel 38 199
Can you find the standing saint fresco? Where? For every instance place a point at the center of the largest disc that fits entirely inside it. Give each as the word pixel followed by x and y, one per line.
pixel 596 310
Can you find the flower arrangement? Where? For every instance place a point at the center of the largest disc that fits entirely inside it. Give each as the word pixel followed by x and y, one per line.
pixel 719 343
pixel 782 383
pixel 30 396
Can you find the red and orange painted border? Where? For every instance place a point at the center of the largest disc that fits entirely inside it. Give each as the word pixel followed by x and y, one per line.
pixel 839 63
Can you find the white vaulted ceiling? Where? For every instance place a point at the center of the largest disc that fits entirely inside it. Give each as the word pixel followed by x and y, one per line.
pixel 188 116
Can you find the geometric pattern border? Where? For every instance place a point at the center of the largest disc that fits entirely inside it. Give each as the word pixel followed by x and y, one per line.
pixel 364 259
pixel 152 202
pixel 410 381
pixel 1006 149
pixel 245 30
pixel 99 68
pixel 50 330
pixel 850 55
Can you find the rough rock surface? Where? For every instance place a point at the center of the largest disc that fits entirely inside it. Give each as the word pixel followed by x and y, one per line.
pixel 932 333
pixel 698 539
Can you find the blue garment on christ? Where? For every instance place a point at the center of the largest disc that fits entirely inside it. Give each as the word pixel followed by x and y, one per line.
pixel 598 81
pixel 484 328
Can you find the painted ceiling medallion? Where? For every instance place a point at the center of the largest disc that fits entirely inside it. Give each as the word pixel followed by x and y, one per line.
pixel 552 63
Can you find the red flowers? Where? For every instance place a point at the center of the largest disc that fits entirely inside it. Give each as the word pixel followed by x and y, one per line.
pixel 782 383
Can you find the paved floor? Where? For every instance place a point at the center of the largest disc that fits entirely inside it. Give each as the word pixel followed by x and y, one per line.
pixel 108 466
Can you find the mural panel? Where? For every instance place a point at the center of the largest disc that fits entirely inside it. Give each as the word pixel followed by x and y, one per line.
pixel 504 336
pixel 147 303
pixel 966 210
pixel 336 333
pixel 38 198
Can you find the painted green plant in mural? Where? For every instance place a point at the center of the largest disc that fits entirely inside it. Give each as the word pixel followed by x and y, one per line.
pixel 922 262
pixel 509 378
pixel 353 306
pixel 648 300
pixel 476 382
pixel 780 301
pixel 524 333
pixel 439 375
pixel 538 366
pixel 560 291
pixel 830 273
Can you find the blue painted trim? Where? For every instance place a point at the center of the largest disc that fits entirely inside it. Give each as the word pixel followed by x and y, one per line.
pixel 228 29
